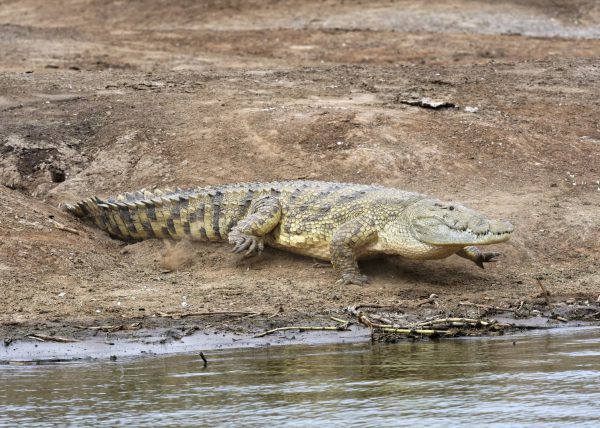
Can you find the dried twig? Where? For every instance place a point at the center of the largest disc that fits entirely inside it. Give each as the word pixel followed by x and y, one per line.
pixel 412 332
pixel 374 306
pixel 204 359
pixel 204 314
pixel 256 314
pixel 456 322
pixel 113 328
pixel 275 330
pixel 381 319
pixel 61 226
pixel 46 338
pixel 488 307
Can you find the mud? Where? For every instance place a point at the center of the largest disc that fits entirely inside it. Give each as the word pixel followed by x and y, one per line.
pixel 105 97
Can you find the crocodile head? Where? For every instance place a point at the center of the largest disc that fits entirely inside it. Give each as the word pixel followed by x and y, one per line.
pixel 438 223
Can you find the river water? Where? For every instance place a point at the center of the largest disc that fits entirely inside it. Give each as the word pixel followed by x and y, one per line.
pixel 548 378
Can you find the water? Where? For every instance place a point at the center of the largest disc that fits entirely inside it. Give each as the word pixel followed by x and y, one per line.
pixel 549 379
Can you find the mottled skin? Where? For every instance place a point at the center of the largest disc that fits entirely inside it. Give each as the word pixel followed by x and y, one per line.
pixel 331 221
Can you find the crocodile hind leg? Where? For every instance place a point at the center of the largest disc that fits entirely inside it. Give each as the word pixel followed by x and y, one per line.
pixel 263 215
pixel 346 239
pixel 477 256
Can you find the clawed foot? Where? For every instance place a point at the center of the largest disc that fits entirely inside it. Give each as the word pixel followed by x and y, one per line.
pixel 477 256
pixel 486 258
pixel 353 278
pixel 250 244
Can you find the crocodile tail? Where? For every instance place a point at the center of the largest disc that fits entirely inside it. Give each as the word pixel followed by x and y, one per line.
pixel 102 214
pixel 144 215
pixel 123 217
pixel 200 214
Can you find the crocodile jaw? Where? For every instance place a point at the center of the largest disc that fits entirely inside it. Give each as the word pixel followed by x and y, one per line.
pixel 443 224
pixel 442 235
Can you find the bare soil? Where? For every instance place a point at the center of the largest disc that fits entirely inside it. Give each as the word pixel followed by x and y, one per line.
pixel 100 97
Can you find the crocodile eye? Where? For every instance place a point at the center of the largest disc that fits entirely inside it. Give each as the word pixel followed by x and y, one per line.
pixel 451 208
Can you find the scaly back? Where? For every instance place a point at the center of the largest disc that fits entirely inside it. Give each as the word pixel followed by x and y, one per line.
pixel 205 214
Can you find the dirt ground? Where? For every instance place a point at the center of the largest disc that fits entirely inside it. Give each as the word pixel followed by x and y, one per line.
pixel 100 97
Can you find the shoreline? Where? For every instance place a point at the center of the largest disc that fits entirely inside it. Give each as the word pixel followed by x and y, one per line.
pixel 37 344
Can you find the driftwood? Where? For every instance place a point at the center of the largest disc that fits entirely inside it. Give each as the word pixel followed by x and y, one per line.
pixel 392 328
pixel 437 327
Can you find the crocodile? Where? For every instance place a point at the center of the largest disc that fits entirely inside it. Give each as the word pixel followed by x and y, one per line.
pixel 337 222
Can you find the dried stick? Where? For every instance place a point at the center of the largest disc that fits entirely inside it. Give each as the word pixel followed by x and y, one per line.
pixel 381 319
pixel 275 330
pixel 203 314
pixel 204 359
pixel 373 306
pixel 409 331
pixel 61 226
pixel 46 338
pixel 455 321
pixel 113 328
pixel 341 321
pixel 488 307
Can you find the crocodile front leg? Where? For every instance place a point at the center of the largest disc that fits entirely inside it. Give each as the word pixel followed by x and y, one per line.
pixel 262 217
pixel 346 239
pixel 477 256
